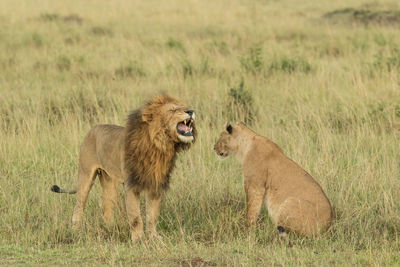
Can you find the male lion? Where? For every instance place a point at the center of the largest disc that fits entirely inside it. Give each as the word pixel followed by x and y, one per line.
pixel 140 155
pixel 294 200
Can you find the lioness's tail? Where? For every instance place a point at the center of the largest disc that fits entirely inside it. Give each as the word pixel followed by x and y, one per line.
pixel 57 189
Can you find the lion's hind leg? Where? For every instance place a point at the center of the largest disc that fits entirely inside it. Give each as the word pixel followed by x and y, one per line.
pixel 110 192
pixel 86 177
pixel 298 216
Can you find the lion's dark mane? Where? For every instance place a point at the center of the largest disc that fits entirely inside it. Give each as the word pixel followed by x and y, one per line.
pixel 148 164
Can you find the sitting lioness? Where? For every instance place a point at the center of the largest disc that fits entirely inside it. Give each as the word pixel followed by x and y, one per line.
pixel 295 201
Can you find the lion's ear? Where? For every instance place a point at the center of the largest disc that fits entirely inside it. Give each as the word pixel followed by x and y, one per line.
pixel 147 115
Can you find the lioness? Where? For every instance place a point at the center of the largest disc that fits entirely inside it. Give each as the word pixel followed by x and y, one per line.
pixel 295 201
pixel 140 155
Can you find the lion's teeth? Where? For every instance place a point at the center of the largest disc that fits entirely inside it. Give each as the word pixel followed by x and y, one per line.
pixel 184 121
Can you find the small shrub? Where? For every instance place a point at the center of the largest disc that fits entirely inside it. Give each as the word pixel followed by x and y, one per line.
pixel 240 105
pixel 220 47
pixel 49 17
pixel 252 62
pixel 73 18
pixel 101 31
pixel 290 65
pixel 5 118
pixel 37 40
pixel 40 65
pixel 389 63
pixel 72 40
pixel 393 62
pixel 397 111
pixel 53 111
pixel 205 67
pixel 187 68
pixel 175 44
pixel 341 123
pixel 89 107
pixel 132 70
pixel 331 51
pixel 383 40
pixel 63 63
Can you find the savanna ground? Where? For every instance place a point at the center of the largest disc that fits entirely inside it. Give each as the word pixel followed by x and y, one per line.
pixel 320 78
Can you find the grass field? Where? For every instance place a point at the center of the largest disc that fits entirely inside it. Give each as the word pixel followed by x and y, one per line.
pixel 320 80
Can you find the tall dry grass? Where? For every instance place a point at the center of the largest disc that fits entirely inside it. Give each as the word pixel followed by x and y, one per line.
pixel 326 92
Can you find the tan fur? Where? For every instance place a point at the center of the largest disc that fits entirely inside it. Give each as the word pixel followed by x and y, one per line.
pixel 140 155
pixel 294 200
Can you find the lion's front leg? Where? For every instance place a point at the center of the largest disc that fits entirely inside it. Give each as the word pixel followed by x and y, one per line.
pixel 153 203
pixel 133 212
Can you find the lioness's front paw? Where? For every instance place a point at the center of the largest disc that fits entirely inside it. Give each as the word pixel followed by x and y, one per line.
pixel 136 236
pixel 154 236
pixel 76 225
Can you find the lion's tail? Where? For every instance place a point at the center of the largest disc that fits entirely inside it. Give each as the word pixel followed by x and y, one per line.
pixel 57 189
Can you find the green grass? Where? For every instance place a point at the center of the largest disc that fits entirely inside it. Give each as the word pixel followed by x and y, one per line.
pixel 328 93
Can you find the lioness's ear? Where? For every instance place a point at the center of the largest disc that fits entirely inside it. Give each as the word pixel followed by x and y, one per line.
pixel 229 129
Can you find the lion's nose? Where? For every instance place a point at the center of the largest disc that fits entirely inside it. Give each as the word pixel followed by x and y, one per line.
pixel 190 112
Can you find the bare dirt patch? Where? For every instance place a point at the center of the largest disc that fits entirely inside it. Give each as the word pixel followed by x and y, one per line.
pixel 195 262
pixel 364 16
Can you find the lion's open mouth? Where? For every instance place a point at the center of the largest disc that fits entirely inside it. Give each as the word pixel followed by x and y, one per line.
pixel 185 127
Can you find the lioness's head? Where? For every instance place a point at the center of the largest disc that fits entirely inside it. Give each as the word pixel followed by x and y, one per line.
pixel 228 142
pixel 169 119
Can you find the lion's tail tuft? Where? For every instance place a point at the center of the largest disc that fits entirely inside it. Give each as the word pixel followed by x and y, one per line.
pixel 57 189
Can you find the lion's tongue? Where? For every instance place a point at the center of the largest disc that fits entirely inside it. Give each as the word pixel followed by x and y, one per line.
pixel 183 128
